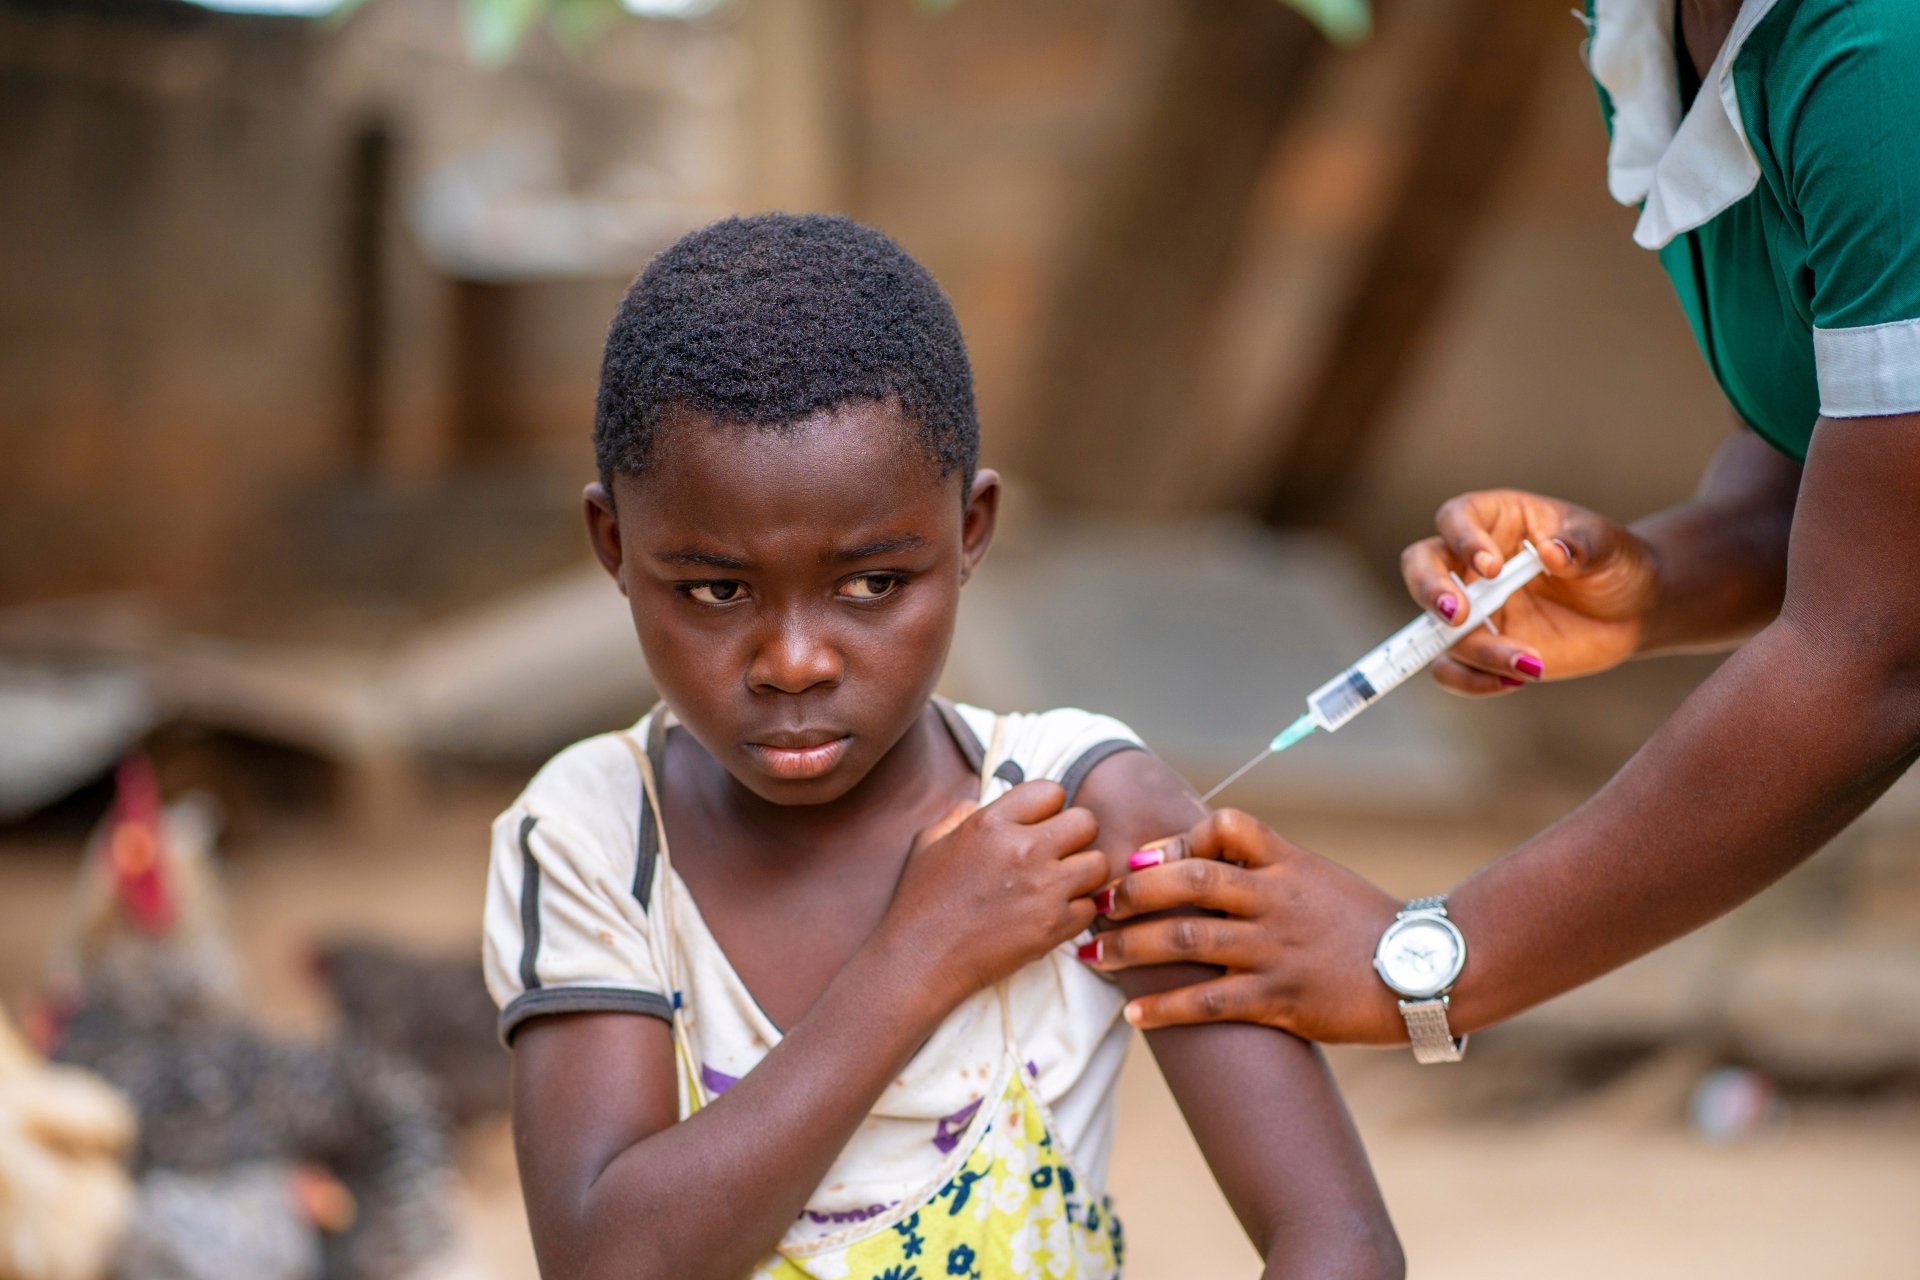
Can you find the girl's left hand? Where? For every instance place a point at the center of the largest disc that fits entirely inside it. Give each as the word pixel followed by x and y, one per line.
pixel 1294 932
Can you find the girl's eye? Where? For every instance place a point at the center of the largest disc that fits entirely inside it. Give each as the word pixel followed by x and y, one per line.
pixel 871 586
pixel 716 592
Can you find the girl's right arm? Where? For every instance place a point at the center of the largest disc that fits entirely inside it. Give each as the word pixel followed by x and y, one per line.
pixel 615 1187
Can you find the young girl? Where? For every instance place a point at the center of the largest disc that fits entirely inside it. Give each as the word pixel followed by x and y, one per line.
pixel 789 969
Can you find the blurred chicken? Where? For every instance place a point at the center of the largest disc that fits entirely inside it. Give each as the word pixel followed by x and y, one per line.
pixel 153 1004
pixel 147 935
pixel 432 1011
pixel 64 1194
pixel 148 991
pixel 253 1222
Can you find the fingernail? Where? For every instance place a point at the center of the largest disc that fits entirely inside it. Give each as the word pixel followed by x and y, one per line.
pixel 1508 682
pixel 1565 550
pixel 1528 665
pixel 1134 1015
pixel 1145 858
pixel 1483 564
pixel 1103 901
pixel 1447 605
pixel 1089 952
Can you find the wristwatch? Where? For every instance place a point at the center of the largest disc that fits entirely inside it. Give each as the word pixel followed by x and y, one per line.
pixel 1420 956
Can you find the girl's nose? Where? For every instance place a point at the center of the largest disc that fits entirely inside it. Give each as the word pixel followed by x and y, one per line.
pixel 793 660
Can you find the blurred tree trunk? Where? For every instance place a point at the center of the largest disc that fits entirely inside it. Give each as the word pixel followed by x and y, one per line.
pixel 805 101
pixel 1482 77
pixel 1117 352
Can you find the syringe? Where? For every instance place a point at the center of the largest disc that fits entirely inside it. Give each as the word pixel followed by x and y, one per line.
pixel 1403 655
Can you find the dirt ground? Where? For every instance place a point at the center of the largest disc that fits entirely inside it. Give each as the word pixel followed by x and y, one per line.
pixel 1600 1185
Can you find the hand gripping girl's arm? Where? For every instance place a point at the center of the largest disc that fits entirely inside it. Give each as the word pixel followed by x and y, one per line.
pixel 1261 1102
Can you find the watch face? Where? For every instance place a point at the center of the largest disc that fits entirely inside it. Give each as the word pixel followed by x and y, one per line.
pixel 1420 956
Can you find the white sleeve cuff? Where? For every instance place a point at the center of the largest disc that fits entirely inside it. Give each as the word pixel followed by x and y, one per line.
pixel 1868 372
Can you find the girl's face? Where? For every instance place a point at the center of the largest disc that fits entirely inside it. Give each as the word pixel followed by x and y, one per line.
pixel 794 588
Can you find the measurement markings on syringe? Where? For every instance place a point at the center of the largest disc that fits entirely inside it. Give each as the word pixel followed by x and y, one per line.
pixel 1348 698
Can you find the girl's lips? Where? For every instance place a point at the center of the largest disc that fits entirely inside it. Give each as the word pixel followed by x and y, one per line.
pixel 796 763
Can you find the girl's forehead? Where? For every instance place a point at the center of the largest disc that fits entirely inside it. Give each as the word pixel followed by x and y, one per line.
pixel 849 475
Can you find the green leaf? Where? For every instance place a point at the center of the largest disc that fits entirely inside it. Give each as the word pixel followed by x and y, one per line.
pixel 1342 21
pixel 341 12
pixel 496 27
pixel 579 24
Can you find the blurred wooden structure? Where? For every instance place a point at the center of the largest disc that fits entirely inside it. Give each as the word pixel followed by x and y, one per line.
pixel 254 264
pixel 1480 81
pixel 303 320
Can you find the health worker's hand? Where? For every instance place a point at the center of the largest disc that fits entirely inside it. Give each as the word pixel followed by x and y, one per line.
pixel 1586 615
pixel 1295 934
pixel 987 890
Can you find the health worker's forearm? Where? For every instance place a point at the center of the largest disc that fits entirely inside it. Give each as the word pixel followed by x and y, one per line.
pixel 713 1195
pixel 1788 742
pixel 1791 740
pixel 1722 554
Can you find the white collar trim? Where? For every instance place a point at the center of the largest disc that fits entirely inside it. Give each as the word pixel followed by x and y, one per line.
pixel 1682 171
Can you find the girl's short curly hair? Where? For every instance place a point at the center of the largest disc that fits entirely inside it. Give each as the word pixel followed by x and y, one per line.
pixel 771 319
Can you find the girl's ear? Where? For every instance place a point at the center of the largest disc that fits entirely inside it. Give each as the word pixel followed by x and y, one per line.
pixel 603 532
pixel 976 527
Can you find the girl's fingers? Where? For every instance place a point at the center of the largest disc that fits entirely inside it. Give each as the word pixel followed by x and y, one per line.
pixel 1030 802
pixel 1238 997
pixel 943 828
pixel 1069 830
pixel 1229 944
pixel 1085 872
pixel 1189 882
pixel 1080 918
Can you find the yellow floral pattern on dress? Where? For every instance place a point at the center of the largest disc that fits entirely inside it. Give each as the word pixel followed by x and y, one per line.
pixel 1013 1210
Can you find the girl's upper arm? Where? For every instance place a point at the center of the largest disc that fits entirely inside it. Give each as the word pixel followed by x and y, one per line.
pixel 1261 1103
pixel 586 1087
pixel 568 956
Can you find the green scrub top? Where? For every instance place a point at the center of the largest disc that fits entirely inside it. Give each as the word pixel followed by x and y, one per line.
pixel 1783 200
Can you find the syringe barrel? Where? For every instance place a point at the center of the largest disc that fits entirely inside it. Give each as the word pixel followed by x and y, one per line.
pixel 1487 596
pixel 1409 650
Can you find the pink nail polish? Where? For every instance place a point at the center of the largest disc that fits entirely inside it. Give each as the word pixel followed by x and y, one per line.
pixel 1447 605
pixel 1103 901
pixel 1528 665
pixel 1089 952
pixel 1145 858
pixel 1508 682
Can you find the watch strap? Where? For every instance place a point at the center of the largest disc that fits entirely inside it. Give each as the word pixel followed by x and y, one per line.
pixel 1436 903
pixel 1427 1030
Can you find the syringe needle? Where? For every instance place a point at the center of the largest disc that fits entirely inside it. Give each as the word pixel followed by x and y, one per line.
pixel 1293 733
pixel 1236 775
